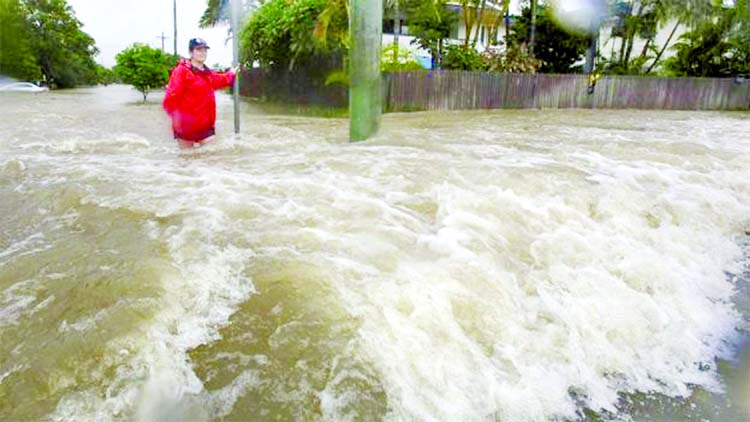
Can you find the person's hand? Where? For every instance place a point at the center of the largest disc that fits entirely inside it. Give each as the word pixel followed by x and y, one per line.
pixel 236 69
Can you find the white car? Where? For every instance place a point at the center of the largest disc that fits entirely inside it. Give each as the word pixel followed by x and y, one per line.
pixel 22 87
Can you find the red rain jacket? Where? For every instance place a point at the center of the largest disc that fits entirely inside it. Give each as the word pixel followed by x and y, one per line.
pixel 190 100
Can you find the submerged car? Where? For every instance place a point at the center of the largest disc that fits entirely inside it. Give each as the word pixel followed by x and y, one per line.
pixel 22 87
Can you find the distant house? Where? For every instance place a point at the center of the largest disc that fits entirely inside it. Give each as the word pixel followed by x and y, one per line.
pixel 493 23
pixel 491 18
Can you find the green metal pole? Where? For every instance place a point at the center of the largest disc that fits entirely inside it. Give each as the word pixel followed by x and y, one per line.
pixel 365 95
pixel 236 59
pixel 174 4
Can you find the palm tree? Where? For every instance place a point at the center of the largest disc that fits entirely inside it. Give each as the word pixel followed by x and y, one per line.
pixel 640 15
pixel 689 12
pixel 503 14
pixel 217 11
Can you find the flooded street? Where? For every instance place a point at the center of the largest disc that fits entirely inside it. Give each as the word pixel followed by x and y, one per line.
pixel 507 265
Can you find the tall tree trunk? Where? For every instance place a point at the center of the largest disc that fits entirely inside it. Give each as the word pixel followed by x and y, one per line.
pixel 494 30
pixel 480 12
pixel 502 15
pixel 626 31
pixel 439 56
pixel 396 32
pixel 663 49
pixel 645 47
pixel 467 22
pixel 623 45
pixel 631 38
pixel 532 36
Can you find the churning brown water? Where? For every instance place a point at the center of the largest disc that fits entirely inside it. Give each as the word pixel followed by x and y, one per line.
pixel 510 265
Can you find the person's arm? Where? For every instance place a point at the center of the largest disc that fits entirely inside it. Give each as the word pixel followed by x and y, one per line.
pixel 174 89
pixel 221 80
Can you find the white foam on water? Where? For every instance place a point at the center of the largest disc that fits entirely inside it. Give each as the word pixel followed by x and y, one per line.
pixel 199 295
pixel 16 299
pixel 492 278
pixel 118 142
pixel 201 287
pixel 516 298
pixel 10 371
pixel 85 323
pixel 13 167
pixel 222 401
pixel 29 245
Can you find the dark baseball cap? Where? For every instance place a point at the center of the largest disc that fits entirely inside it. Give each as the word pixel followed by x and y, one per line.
pixel 198 42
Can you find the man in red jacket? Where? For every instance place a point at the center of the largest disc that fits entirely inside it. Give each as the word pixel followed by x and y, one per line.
pixel 190 100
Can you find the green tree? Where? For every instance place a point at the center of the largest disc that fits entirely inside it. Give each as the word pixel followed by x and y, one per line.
pixel 459 57
pixel 17 58
pixel 218 11
pixel 739 37
pixel 469 18
pixel 643 19
pixel 105 76
pixel 282 33
pixel 64 52
pixel 556 48
pixel 144 67
pixel 502 15
pixel 718 47
pixel 430 22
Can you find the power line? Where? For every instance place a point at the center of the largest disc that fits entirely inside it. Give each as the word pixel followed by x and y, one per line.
pixel 163 37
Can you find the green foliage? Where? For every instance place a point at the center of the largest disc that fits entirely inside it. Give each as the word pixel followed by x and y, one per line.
pixel 459 57
pixel 430 22
pixel 635 66
pixel 17 58
pixel 739 38
pixel 280 33
pixel 715 48
pixel 556 48
pixel 393 59
pixel 105 76
pixel 219 11
pixel 337 77
pixel 64 52
pixel 514 60
pixel 215 12
pixel 42 39
pixel 644 19
pixel 144 67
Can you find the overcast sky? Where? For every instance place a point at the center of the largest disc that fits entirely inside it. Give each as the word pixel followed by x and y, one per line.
pixel 115 25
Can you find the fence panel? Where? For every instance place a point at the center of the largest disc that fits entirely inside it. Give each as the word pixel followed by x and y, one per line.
pixel 455 90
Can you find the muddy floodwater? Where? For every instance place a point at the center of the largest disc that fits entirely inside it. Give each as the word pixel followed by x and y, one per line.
pixel 530 265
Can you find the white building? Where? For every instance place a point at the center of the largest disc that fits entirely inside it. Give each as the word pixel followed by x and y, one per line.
pixel 609 46
pixel 490 16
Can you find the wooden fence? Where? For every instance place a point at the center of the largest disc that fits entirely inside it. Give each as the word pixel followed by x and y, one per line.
pixel 298 87
pixel 453 90
pixel 481 90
